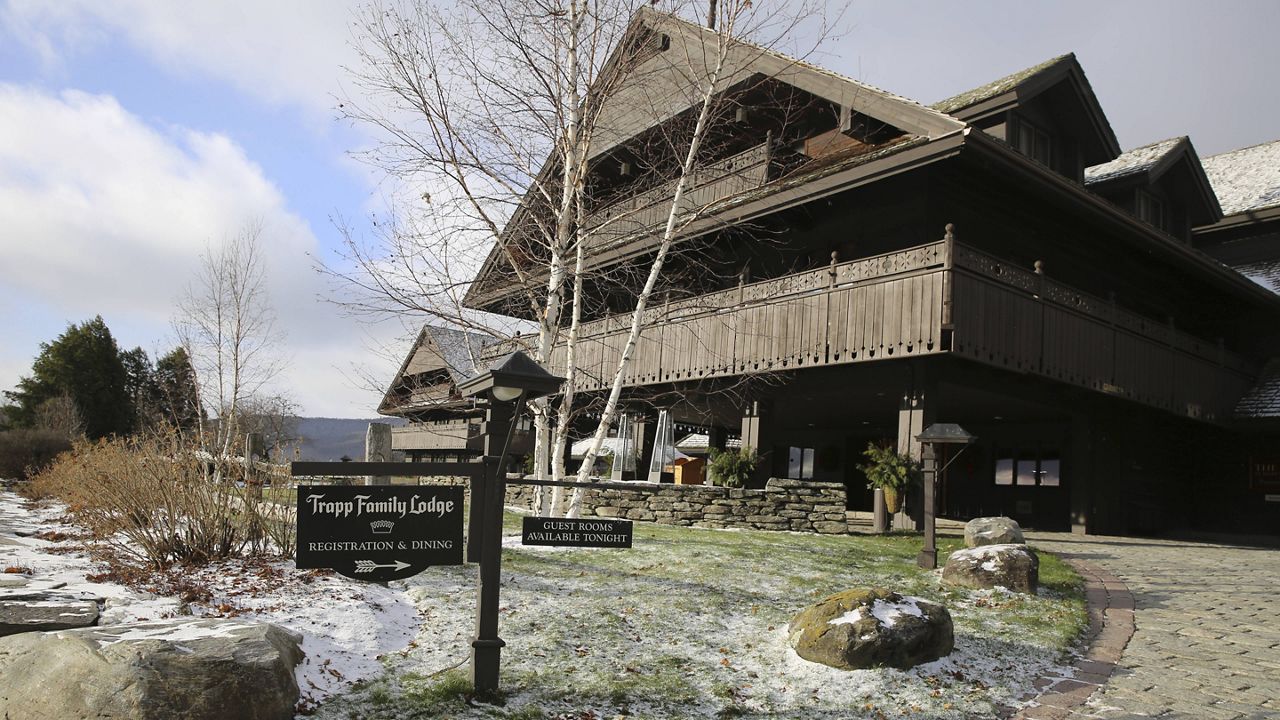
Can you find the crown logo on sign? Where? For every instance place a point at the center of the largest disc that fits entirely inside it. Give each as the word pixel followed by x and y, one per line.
pixel 381 527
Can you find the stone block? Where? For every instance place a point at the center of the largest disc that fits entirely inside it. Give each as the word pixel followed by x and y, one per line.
pixel 831 528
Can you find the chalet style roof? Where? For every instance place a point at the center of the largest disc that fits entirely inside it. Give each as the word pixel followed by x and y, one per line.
pixel 1018 88
pixel 1263 399
pixel 438 348
pixel 1132 162
pixel 1153 161
pixel 659 93
pixel 1247 179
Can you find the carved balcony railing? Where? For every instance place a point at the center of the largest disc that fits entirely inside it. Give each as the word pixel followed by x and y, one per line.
pixel 942 297
pixel 1013 317
pixel 868 309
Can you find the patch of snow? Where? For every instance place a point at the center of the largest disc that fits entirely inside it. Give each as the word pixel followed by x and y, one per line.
pixel 885 612
pixel 166 630
pixel 850 617
pixel 346 625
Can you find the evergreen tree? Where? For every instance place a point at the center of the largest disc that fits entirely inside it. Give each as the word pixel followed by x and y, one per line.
pixel 178 398
pixel 83 363
pixel 142 389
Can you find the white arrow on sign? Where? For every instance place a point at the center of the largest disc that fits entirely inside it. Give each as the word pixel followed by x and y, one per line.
pixel 364 566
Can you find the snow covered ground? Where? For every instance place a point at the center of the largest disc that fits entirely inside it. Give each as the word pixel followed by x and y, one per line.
pixel 688 623
pixel 346 625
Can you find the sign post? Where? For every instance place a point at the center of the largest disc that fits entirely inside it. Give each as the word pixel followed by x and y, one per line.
pixel 513 378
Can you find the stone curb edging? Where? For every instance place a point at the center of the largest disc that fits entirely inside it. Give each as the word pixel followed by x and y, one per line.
pixel 1111 625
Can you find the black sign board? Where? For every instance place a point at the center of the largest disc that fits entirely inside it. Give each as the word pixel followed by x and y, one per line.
pixel 577 532
pixel 379 532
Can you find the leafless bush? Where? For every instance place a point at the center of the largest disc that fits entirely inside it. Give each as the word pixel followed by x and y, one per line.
pixel 152 501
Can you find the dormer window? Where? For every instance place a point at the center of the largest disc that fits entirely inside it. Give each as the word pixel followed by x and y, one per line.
pixel 1032 141
pixel 1151 210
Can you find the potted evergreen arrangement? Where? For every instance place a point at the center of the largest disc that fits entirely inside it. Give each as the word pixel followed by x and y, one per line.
pixel 891 472
pixel 732 467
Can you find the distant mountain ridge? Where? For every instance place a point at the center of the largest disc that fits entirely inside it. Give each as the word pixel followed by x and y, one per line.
pixel 328 439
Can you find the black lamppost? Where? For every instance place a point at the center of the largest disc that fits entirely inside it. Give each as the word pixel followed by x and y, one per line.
pixel 936 434
pixel 508 384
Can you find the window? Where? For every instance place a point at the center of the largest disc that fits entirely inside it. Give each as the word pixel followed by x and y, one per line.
pixel 1027 470
pixel 800 463
pixel 1151 210
pixel 1004 471
pixel 1032 142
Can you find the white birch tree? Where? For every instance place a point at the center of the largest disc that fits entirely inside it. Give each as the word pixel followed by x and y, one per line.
pixel 227 328
pixel 490 113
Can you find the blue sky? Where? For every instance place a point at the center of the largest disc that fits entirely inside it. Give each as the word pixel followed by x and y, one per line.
pixel 135 132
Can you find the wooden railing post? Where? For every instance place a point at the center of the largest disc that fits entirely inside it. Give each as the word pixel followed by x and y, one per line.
pixel 831 286
pixel 948 264
pixel 1039 270
pixel 1115 335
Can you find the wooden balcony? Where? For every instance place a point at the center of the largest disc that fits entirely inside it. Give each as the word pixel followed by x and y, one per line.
pixel 1014 318
pixel 424 398
pixel 874 308
pixel 451 435
pixel 646 212
pixel 942 297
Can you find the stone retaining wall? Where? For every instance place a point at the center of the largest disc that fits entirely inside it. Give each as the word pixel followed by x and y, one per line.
pixel 800 505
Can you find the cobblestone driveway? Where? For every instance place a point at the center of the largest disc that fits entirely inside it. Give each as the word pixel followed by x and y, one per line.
pixel 1206 642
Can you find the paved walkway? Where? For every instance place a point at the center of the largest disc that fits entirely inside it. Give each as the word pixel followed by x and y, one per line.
pixel 1206 639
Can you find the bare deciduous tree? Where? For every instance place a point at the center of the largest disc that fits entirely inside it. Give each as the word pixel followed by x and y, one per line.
pixel 227 328
pixel 490 114
pixel 60 415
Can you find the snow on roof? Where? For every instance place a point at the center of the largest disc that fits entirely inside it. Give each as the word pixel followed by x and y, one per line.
pixel 579 449
pixel 1132 162
pixel 699 442
pixel 996 87
pixel 1246 179
pixel 1266 273
pixel 1263 399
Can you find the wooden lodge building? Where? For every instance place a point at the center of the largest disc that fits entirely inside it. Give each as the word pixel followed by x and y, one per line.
pixel 860 266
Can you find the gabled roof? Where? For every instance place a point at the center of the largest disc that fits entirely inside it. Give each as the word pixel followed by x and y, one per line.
pixel 1246 180
pixel 665 78
pixel 1020 87
pixel 1150 163
pixel 439 348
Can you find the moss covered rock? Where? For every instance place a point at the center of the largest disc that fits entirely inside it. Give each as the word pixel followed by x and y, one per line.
pixel 873 627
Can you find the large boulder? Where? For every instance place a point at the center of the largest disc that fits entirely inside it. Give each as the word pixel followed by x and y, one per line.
pixel 1015 567
pixel 872 628
pixel 190 669
pixel 22 612
pixel 992 531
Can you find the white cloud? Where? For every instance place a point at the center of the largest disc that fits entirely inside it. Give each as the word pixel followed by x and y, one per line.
pixel 284 52
pixel 102 213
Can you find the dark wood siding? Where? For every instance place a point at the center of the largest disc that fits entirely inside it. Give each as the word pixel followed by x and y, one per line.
pixel 1013 318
